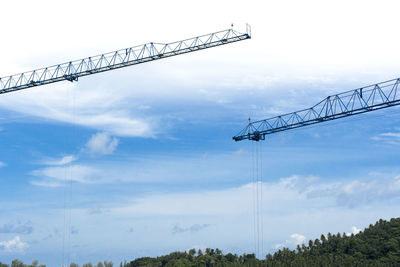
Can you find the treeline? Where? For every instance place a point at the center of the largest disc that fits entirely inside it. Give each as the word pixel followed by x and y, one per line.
pixel 18 263
pixel 210 257
pixel 377 245
pixel 35 263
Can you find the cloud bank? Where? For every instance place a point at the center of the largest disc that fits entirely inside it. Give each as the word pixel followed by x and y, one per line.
pixel 14 245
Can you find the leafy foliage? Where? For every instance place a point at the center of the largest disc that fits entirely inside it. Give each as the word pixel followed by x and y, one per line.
pixel 378 245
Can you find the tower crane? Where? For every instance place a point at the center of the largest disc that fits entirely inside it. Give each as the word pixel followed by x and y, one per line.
pixel 365 99
pixel 148 52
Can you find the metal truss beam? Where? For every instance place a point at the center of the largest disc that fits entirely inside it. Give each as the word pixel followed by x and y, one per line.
pixel 72 70
pixel 362 100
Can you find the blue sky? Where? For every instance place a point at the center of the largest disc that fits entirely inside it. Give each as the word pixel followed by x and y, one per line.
pixel 140 161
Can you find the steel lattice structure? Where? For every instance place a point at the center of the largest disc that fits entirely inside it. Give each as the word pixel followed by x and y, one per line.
pixel 72 70
pixel 365 99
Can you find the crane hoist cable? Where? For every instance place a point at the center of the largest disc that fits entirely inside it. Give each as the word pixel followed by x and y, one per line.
pixel 257 197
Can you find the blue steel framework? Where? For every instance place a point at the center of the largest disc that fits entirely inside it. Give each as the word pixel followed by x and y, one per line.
pixel 72 70
pixel 365 99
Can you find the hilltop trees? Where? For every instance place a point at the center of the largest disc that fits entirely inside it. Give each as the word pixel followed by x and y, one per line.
pixel 378 245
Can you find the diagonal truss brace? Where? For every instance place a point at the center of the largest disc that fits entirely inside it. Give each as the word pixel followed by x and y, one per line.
pixel 377 96
pixel 72 70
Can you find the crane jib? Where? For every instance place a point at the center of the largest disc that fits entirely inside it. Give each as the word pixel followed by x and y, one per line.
pixel 71 71
pixel 366 99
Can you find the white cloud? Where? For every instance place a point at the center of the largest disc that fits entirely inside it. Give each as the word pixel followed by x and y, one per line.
pixel 397 135
pixel 197 167
pixel 351 193
pixel 296 192
pixel 279 246
pixel 2 164
pixel 354 231
pixel 46 183
pixel 101 144
pixel 13 245
pixel 374 188
pixel 295 239
pixel 206 203
pixel 57 176
pixel 96 108
pixel 63 161
pixel 298 238
pixel 392 138
pixel 292 193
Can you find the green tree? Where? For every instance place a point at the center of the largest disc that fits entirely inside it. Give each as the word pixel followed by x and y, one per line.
pixel 17 263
